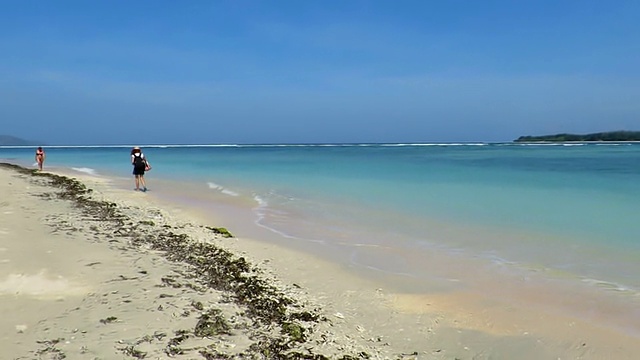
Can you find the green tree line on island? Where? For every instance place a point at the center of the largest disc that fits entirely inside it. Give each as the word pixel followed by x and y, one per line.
pixel 601 136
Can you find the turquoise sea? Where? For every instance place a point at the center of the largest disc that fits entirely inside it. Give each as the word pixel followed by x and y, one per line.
pixel 420 217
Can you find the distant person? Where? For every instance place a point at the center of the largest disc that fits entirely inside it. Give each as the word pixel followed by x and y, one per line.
pixel 140 165
pixel 40 157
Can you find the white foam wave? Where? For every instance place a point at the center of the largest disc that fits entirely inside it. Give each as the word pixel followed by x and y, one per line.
pixel 230 193
pixel 353 259
pixel 609 285
pixel 426 144
pixel 222 189
pixel 534 144
pixel 261 210
pixel 85 170
pixel 626 143
pixel 261 202
pixel 214 186
pixel 499 261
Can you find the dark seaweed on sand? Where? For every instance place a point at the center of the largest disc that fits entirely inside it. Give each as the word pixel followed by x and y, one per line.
pixel 210 265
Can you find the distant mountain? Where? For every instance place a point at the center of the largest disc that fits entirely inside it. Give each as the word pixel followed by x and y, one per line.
pixel 601 136
pixel 8 140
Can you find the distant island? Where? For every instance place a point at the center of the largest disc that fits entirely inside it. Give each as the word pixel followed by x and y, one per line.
pixel 601 136
pixel 8 140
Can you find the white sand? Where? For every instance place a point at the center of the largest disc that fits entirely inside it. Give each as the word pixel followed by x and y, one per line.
pixel 66 287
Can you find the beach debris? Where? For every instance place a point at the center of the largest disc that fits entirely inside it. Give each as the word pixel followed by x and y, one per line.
pixel 212 323
pixel 173 347
pixel 339 315
pixel 131 351
pixel 212 353
pixel 220 231
pixel 173 350
pixel 197 305
pixel 413 354
pixel 21 328
pixel 50 351
pixel 167 281
pixel 294 331
pixel 123 278
pixel 108 320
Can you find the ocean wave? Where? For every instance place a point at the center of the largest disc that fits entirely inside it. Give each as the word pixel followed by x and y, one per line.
pixel 222 189
pixel 354 260
pixel 625 143
pixel 261 202
pixel 430 144
pixel 214 186
pixel 408 144
pixel 164 146
pixel 85 170
pixel 261 210
pixel 534 144
pixel 611 286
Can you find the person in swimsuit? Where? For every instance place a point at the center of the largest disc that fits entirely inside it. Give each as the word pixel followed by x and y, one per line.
pixel 40 156
pixel 140 164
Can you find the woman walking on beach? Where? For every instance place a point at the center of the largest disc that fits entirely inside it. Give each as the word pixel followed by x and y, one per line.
pixel 40 156
pixel 140 165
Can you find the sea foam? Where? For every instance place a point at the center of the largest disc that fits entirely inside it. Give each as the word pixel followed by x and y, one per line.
pixel 222 189
pixel 85 170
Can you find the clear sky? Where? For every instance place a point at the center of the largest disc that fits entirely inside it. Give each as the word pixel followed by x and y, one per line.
pixel 324 71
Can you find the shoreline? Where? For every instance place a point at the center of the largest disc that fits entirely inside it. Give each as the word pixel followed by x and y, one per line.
pixel 355 317
pixel 271 320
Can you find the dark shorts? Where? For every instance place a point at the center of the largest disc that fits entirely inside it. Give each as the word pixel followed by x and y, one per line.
pixel 138 170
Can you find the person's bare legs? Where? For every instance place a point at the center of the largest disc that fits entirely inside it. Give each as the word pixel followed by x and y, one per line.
pixel 137 177
pixel 143 183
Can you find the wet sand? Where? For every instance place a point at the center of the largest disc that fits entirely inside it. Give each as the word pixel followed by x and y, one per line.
pixel 112 273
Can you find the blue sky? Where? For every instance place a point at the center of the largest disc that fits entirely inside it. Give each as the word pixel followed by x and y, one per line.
pixel 121 72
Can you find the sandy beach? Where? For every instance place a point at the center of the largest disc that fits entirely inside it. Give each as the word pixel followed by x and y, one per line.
pixel 90 271
pixel 82 278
